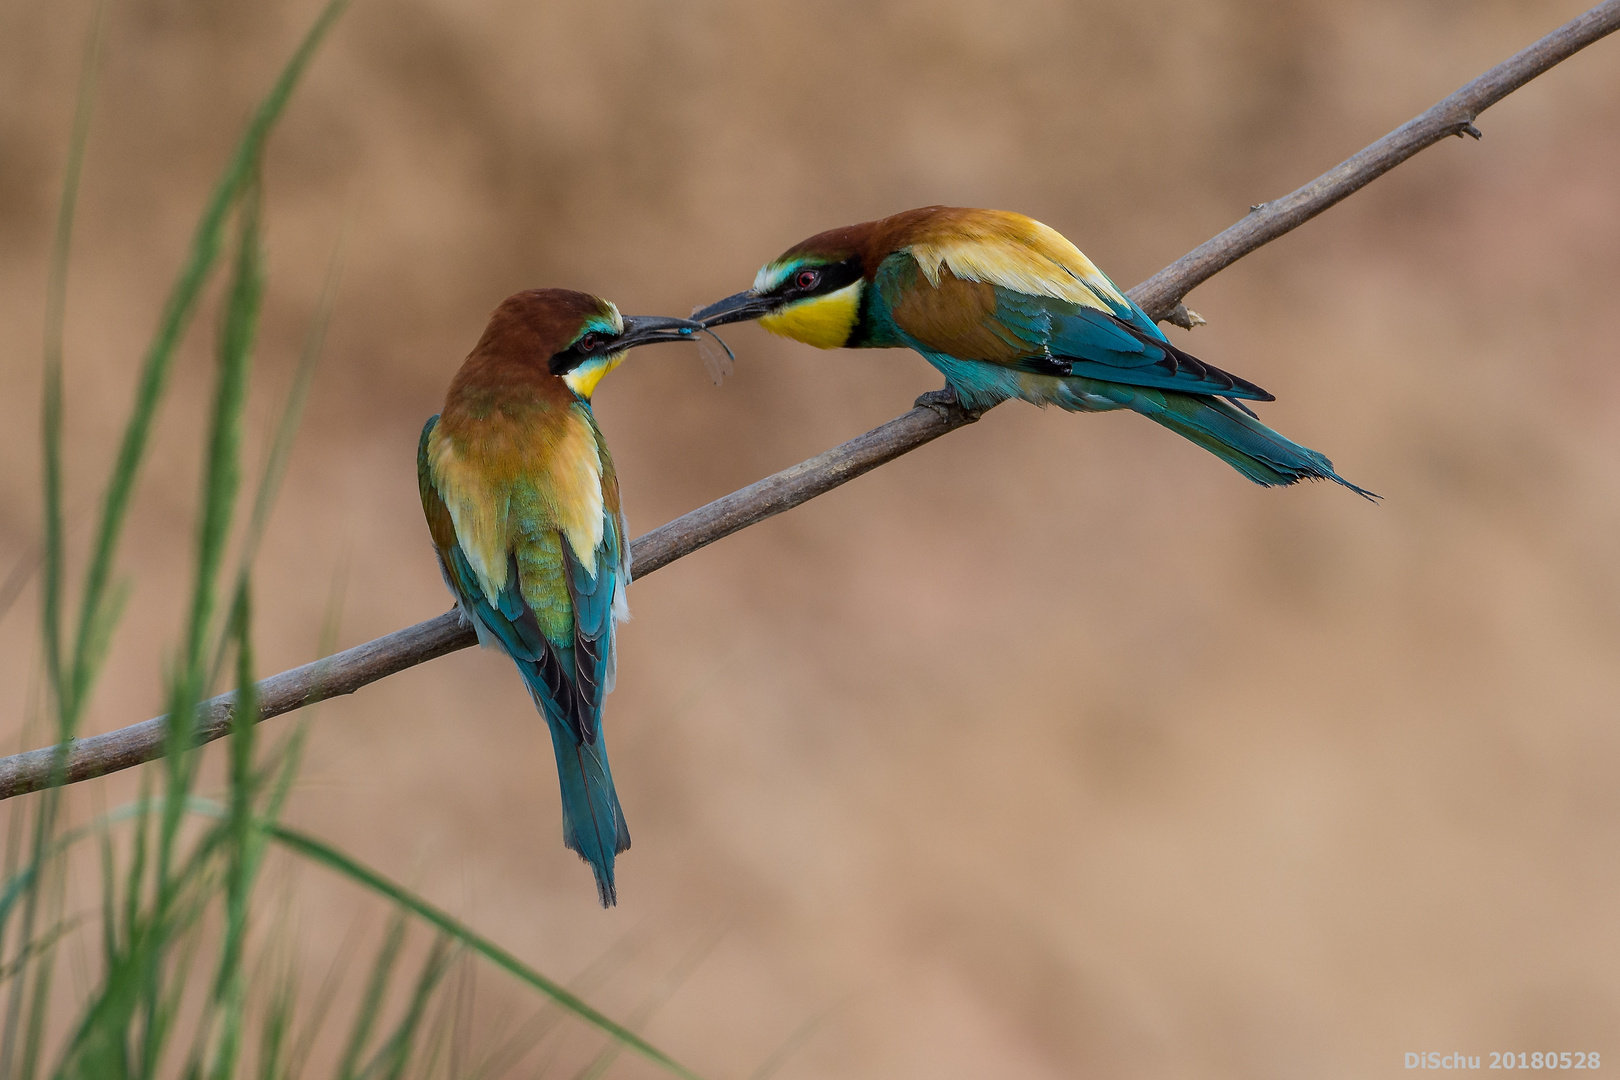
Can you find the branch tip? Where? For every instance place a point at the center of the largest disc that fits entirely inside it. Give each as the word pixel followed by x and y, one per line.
pixel 1185 317
pixel 1453 115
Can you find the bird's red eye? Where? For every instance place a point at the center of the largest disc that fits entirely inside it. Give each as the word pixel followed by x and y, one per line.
pixel 590 341
pixel 806 279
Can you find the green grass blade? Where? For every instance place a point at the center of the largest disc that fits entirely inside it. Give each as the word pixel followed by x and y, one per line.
pixel 453 1026
pixel 276 1028
pixel 241 851
pixel 222 475
pixel 221 481
pixel 55 879
pixel 391 1058
pixel 505 1057
pixel 53 554
pixel 135 876
pixel 177 313
pixel 32 949
pixel 657 998
pixel 331 983
pixel 320 852
pixel 151 915
pixel 136 939
pixel 371 1001
pixel 275 463
pixel 109 898
pixel 18 876
pixel 55 325
pixel 99 638
pixel 292 412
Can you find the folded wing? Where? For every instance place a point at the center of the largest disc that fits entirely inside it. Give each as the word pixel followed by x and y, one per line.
pixel 1019 308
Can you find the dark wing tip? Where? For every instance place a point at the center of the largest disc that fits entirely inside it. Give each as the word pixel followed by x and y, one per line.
pixel 1176 361
pixel 587 690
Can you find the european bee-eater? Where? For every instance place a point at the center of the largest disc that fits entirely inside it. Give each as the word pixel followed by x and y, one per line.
pixel 523 505
pixel 1007 307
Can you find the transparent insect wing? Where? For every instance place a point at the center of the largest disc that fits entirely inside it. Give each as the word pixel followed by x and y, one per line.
pixel 718 359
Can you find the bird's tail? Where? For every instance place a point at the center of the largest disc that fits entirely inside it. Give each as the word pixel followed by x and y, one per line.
pixel 1231 434
pixel 593 820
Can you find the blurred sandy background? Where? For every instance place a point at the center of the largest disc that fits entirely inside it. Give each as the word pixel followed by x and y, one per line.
pixel 1055 749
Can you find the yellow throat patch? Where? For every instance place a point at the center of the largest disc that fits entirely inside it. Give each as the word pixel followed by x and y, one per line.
pixel 822 321
pixel 583 379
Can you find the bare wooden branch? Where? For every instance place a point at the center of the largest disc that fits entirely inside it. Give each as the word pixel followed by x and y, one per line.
pixel 347 671
pixel 1160 296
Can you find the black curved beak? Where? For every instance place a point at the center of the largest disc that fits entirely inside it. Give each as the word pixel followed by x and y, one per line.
pixel 651 329
pixel 739 308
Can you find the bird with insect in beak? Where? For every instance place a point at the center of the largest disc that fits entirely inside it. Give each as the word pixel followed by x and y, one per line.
pixel 523 506
pixel 1006 307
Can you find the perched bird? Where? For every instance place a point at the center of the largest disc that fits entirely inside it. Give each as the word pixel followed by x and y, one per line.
pixel 523 506
pixel 1007 307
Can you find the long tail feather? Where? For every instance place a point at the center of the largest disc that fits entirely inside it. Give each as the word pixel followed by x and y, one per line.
pixel 1237 438
pixel 593 820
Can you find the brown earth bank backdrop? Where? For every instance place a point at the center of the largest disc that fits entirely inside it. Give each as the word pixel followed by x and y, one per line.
pixel 1054 749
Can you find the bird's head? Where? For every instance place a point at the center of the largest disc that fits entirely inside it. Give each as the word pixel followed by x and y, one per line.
pixel 810 293
pixel 578 337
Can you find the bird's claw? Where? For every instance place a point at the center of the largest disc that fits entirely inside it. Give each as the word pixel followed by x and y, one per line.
pixel 946 404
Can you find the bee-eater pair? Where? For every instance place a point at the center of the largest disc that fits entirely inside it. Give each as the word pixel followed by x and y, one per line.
pixel 520 493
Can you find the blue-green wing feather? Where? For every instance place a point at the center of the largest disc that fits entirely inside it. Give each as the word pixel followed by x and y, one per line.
pixel 1096 360
pixel 1122 346
pixel 597 599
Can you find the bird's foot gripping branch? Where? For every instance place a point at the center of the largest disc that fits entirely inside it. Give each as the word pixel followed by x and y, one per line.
pixel 948 406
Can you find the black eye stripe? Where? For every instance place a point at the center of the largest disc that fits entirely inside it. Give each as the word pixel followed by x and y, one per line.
pixel 589 344
pixel 834 276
